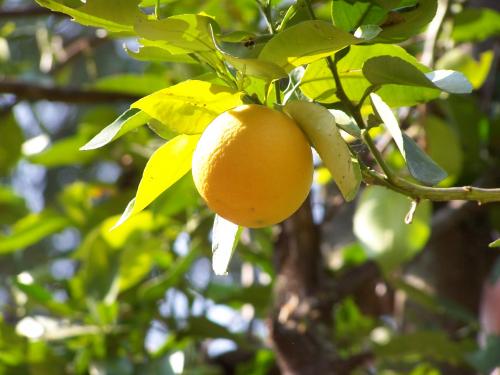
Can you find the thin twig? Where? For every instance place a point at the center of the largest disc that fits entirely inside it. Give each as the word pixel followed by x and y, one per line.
pixel 33 92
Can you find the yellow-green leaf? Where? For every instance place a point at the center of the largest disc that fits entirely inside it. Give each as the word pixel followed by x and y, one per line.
pixel 319 125
pixel 165 167
pixel 189 106
pixel 304 43
pixel 179 34
pixel 115 16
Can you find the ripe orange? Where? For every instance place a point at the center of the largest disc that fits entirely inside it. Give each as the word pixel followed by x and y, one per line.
pixel 253 166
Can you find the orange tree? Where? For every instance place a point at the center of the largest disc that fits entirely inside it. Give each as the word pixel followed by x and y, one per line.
pixel 387 267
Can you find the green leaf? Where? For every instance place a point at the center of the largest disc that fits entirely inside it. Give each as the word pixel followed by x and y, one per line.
pixel 383 70
pixel 10 143
pixel 134 264
pixel 128 120
pixel 115 16
pixel 349 15
pixel 179 34
pixel 319 125
pixel 318 84
pixel 399 26
pixel 236 296
pixel 304 43
pixel 380 228
pixel 99 263
pixel 443 146
pixel 420 165
pixel 462 61
pixel 486 359
pixel 12 206
pixel 476 24
pixel 189 106
pixel 42 296
pixel 31 229
pixel 134 84
pixel 367 32
pixel 253 67
pixel 495 243
pixel 225 236
pixel 155 288
pixel 165 167
pixel 424 344
pixel 154 53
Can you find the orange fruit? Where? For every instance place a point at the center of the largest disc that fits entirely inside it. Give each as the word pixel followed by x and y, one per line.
pixel 253 166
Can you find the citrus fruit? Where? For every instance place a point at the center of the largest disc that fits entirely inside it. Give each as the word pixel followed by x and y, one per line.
pixel 253 166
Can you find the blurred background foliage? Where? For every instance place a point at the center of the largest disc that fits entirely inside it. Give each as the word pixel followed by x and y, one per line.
pixel 77 298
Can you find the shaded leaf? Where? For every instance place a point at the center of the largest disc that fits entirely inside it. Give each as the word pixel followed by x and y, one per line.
pixel 475 71
pixel 349 15
pixel 383 70
pixel 399 26
pixel 318 84
pixel 266 70
pixel 31 229
pixel 134 84
pixel 420 165
pixel 380 228
pixel 10 143
pixel 128 120
pixel 425 344
pixel 473 24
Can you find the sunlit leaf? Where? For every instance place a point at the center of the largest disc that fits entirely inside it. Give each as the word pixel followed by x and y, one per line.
pixel 225 237
pixel 115 16
pixel 165 167
pixel 420 165
pixel 304 43
pixel 180 33
pixel 189 106
pixel 319 125
pixel 495 243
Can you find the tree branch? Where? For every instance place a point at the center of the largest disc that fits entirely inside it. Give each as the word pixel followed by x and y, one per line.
pixel 469 193
pixel 31 11
pixel 33 92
